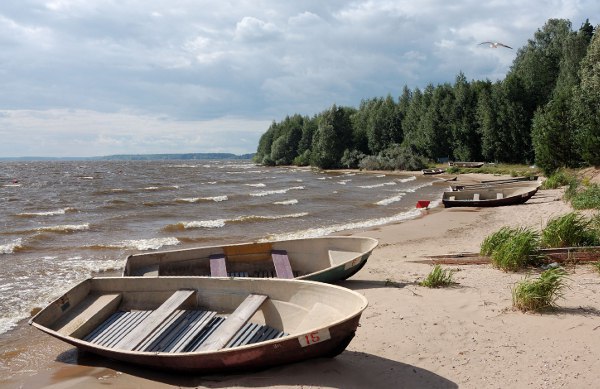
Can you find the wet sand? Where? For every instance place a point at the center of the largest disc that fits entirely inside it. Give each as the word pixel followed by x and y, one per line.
pixel 465 336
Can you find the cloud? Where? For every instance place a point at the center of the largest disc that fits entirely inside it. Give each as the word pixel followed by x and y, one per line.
pixel 204 62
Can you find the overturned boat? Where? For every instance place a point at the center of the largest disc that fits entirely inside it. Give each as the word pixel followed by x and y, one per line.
pixel 204 325
pixel 325 259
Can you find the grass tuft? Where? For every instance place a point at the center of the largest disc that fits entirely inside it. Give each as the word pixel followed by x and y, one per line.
pixel 540 293
pixel 586 198
pixel 511 249
pixel 569 230
pixel 559 179
pixel 438 278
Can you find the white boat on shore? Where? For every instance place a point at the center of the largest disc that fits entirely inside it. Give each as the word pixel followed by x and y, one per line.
pixel 325 259
pixel 202 324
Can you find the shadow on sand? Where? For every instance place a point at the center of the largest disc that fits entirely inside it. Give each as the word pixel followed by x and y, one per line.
pixel 351 369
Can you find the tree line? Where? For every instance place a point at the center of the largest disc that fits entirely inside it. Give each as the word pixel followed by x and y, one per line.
pixel 545 111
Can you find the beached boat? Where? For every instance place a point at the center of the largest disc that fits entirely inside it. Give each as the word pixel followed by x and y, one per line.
pixel 466 164
pixel 489 197
pixel 496 184
pixel 433 171
pixel 325 259
pixel 202 324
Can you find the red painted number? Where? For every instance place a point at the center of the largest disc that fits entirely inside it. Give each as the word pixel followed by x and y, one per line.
pixel 313 337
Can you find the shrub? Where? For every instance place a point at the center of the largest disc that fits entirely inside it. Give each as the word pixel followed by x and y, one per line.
pixel 541 293
pixel 438 278
pixel 558 179
pixel 588 198
pixel 571 229
pixel 517 251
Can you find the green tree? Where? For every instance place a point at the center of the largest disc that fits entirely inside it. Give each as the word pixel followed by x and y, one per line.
pixel 586 104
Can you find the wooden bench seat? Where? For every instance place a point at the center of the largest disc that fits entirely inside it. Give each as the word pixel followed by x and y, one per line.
pixel 218 268
pixel 228 329
pixel 157 317
pixel 282 264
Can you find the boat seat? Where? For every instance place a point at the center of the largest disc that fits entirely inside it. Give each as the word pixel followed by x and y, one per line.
pixel 476 197
pixel 499 195
pixel 156 318
pixel 282 264
pixel 87 315
pixel 218 268
pixel 234 323
pixel 337 257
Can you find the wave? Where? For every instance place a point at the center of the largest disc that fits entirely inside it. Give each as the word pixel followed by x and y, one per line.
pixel 378 185
pixel 276 191
pixel 140 244
pixel 286 202
pixel 220 223
pixel 65 228
pixel 327 230
pixel 343 182
pixel 11 247
pixel 411 178
pixel 47 213
pixel 160 188
pixel 11 185
pixel 415 188
pixel 390 200
pixel 201 199
pixel 261 185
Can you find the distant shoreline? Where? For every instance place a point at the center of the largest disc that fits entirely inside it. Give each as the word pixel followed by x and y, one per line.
pixel 136 157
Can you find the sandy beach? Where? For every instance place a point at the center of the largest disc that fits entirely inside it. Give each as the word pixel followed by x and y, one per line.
pixel 465 336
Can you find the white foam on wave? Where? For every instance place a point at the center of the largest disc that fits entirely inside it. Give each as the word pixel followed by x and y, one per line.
pixel 219 223
pixel 390 200
pixel 149 244
pixel 11 185
pixel 343 182
pixel 200 199
pixel 260 185
pixel 10 247
pixel 415 188
pixel 65 228
pixel 286 202
pixel 411 178
pixel 390 183
pixel 204 224
pixel 276 191
pixel 316 232
pixel 48 213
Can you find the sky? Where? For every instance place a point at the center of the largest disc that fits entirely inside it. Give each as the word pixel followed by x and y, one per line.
pixel 81 78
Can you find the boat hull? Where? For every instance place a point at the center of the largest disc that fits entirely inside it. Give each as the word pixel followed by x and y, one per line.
pixel 315 319
pixel 324 259
pixel 449 200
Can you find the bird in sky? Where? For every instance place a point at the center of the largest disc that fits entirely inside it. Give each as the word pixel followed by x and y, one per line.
pixel 494 45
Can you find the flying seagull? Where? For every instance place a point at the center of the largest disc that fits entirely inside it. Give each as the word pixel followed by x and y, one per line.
pixel 494 45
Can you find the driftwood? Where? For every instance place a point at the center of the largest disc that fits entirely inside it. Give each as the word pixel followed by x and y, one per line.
pixel 560 255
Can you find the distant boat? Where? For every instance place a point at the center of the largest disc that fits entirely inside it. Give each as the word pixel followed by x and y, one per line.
pixel 489 197
pixel 325 259
pixel 204 325
pixel 433 171
pixel 466 164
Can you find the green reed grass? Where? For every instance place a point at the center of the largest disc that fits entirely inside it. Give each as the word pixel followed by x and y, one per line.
pixel 588 197
pixel 559 179
pixel 569 230
pixel 540 293
pixel 512 249
pixel 495 240
pixel 438 278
